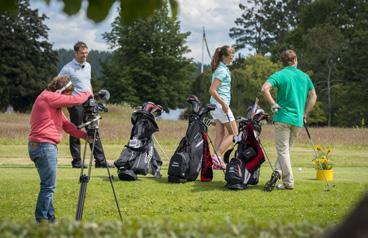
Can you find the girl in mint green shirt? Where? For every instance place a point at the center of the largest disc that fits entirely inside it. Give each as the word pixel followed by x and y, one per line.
pixel 220 91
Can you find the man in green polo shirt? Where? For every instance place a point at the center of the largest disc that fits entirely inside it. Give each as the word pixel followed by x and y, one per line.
pixel 296 97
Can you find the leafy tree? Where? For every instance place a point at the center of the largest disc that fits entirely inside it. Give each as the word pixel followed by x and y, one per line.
pixel 265 23
pixel 27 60
pixel 148 63
pixel 201 86
pixel 321 55
pixel 331 38
pixel 248 80
pixel 98 10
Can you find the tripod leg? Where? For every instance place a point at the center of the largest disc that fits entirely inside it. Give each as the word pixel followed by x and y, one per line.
pixel 112 184
pixel 83 179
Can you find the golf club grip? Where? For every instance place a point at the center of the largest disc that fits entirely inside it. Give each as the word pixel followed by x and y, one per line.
pixel 306 129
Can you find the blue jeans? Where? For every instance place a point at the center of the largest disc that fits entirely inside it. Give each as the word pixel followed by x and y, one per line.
pixel 44 155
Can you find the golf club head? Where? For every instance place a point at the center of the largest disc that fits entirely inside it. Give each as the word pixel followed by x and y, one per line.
pixel 328 187
pixel 157 110
pixel 207 109
pixel 148 106
pixel 211 107
pixel 194 101
pixel 103 94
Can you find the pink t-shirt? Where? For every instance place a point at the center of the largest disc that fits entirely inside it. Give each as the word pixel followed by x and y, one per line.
pixel 48 120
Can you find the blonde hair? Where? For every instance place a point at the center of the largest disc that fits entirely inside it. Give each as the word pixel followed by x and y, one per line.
pixel 59 82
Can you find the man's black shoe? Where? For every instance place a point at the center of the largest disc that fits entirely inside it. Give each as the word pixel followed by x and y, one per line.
pixel 270 185
pixel 77 164
pixel 104 164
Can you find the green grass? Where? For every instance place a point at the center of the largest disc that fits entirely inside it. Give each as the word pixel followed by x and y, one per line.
pixel 156 208
pixel 155 199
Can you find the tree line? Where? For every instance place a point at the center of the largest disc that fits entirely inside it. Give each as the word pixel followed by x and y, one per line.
pixel 147 61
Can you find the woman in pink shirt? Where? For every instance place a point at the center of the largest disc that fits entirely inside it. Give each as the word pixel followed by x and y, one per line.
pixel 47 123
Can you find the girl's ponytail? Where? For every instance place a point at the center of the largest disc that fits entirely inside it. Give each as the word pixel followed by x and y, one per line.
pixel 217 56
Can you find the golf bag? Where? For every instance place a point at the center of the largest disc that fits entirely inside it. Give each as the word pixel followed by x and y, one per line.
pixel 244 167
pixel 140 155
pixel 193 154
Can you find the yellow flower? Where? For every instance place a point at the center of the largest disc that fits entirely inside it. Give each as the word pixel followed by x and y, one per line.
pixel 322 160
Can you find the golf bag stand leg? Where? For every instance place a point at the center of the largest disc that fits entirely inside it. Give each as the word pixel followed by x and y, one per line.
pixel 275 176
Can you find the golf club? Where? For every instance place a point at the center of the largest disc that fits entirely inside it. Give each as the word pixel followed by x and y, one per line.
pixel 328 186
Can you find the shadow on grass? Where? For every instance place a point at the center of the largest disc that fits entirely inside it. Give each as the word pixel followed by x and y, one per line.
pixel 199 186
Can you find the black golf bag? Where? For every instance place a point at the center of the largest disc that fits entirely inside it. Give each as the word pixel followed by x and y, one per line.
pixel 244 167
pixel 192 154
pixel 140 155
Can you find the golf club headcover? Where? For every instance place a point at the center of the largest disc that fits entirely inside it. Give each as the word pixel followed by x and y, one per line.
pixel 206 171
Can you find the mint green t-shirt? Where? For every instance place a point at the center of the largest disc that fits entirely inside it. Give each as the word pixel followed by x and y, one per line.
pixel 292 86
pixel 222 73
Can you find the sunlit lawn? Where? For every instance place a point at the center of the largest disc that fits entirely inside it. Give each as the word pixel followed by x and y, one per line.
pixel 194 204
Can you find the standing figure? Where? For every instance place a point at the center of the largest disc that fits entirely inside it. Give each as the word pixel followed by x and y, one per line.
pixel 47 122
pixel 220 91
pixel 296 97
pixel 79 71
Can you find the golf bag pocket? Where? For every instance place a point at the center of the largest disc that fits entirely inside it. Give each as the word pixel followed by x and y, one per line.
pixel 235 171
pixel 179 163
pixel 196 156
pixel 136 160
pixel 247 154
pixel 126 174
pixel 234 174
pixel 254 177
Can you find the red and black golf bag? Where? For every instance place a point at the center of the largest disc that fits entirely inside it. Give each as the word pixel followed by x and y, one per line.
pixel 193 154
pixel 140 156
pixel 244 168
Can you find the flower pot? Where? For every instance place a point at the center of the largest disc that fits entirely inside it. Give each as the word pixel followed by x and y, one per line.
pixel 326 175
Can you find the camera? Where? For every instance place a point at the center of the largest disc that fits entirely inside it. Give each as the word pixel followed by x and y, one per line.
pixel 92 108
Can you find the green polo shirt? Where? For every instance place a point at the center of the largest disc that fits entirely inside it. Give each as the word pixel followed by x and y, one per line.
pixel 292 86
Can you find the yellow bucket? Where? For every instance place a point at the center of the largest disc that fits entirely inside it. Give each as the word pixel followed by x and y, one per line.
pixel 326 175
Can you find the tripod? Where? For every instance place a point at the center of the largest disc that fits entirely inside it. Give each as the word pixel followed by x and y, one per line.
pixel 92 128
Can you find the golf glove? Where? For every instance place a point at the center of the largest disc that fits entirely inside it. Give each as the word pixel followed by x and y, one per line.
pixel 275 107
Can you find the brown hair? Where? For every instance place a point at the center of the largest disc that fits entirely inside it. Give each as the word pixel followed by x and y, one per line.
pixel 80 45
pixel 217 56
pixel 288 57
pixel 58 83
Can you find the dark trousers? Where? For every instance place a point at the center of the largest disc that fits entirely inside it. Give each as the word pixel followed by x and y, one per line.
pixel 76 116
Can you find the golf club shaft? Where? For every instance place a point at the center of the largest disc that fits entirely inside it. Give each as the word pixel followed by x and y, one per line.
pixel 315 153
pixel 265 153
pixel 214 150
pixel 310 138
pixel 159 145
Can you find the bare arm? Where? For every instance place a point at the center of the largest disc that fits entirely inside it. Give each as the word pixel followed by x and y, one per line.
pixel 311 101
pixel 216 96
pixel 266 88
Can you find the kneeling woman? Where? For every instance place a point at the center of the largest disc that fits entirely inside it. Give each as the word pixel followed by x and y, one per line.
pixel 47 123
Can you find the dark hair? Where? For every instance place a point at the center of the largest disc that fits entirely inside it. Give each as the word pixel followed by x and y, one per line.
pixel 80 45
pixel 58 83
pixel 217 56
pixel 288 57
